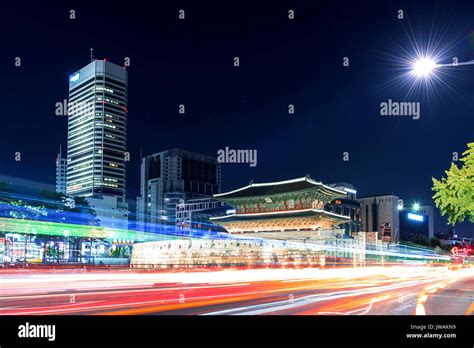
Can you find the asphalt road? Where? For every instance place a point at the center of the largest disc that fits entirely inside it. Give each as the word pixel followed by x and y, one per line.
pixel 345 291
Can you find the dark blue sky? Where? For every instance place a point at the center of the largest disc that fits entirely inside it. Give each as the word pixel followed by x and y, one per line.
pixel 282 62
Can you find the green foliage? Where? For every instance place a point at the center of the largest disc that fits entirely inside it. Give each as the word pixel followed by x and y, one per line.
pixel 56 201
pixel 454 194
pixel 52 251
pixel 421 240
pixel 49 206
pixel 119 251
pixel 446 247
pixel 434 242
pixel 23 210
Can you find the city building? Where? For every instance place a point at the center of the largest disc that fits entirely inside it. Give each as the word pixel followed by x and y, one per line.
pixel 111 211
pixel 97 140
pixel 291 209
pixel 381 214
pixel 196 213
pixel 61 172
pixel 348 188
pixel 347 207
pixel 170 178
pixel 59 236
pixel 413 223
pixel 429 212
pixel 97 130
pixel 416 220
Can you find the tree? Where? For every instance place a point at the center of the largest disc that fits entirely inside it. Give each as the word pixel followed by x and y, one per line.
pixel 48 206
pixel 82 211
pixel 119 251
pixel 434 241
pixel 454 194
pixel 78 213
pixel 420 239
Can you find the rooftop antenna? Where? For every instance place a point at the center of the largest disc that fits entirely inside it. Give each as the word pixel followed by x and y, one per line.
pixel 92 55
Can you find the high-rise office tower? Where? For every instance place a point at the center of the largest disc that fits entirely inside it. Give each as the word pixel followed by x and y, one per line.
pixel 61 171
pixel 170 177
pixel 97 130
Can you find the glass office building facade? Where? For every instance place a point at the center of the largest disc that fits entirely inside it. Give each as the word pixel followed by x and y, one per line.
pixel 97 130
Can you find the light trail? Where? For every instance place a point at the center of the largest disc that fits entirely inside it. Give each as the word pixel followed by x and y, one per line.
pixel 241 292
pixel 311 299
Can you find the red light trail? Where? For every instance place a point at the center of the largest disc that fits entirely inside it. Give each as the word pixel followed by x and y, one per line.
pixel 335 291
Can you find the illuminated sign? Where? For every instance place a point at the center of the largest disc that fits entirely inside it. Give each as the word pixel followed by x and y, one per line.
pixel 230 211
pixel 415 217
pixel 338 201
pixel 74 77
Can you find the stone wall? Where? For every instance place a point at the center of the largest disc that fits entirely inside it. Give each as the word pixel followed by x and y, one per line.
pixel 239 253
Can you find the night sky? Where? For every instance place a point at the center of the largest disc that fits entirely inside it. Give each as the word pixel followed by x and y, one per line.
pixel 282 62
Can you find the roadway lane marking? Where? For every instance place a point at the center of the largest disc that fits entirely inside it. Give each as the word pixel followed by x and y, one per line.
pixel 309 299
pixel 363 311
pixel 420 309
pixel 470 310
pixel 30 311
